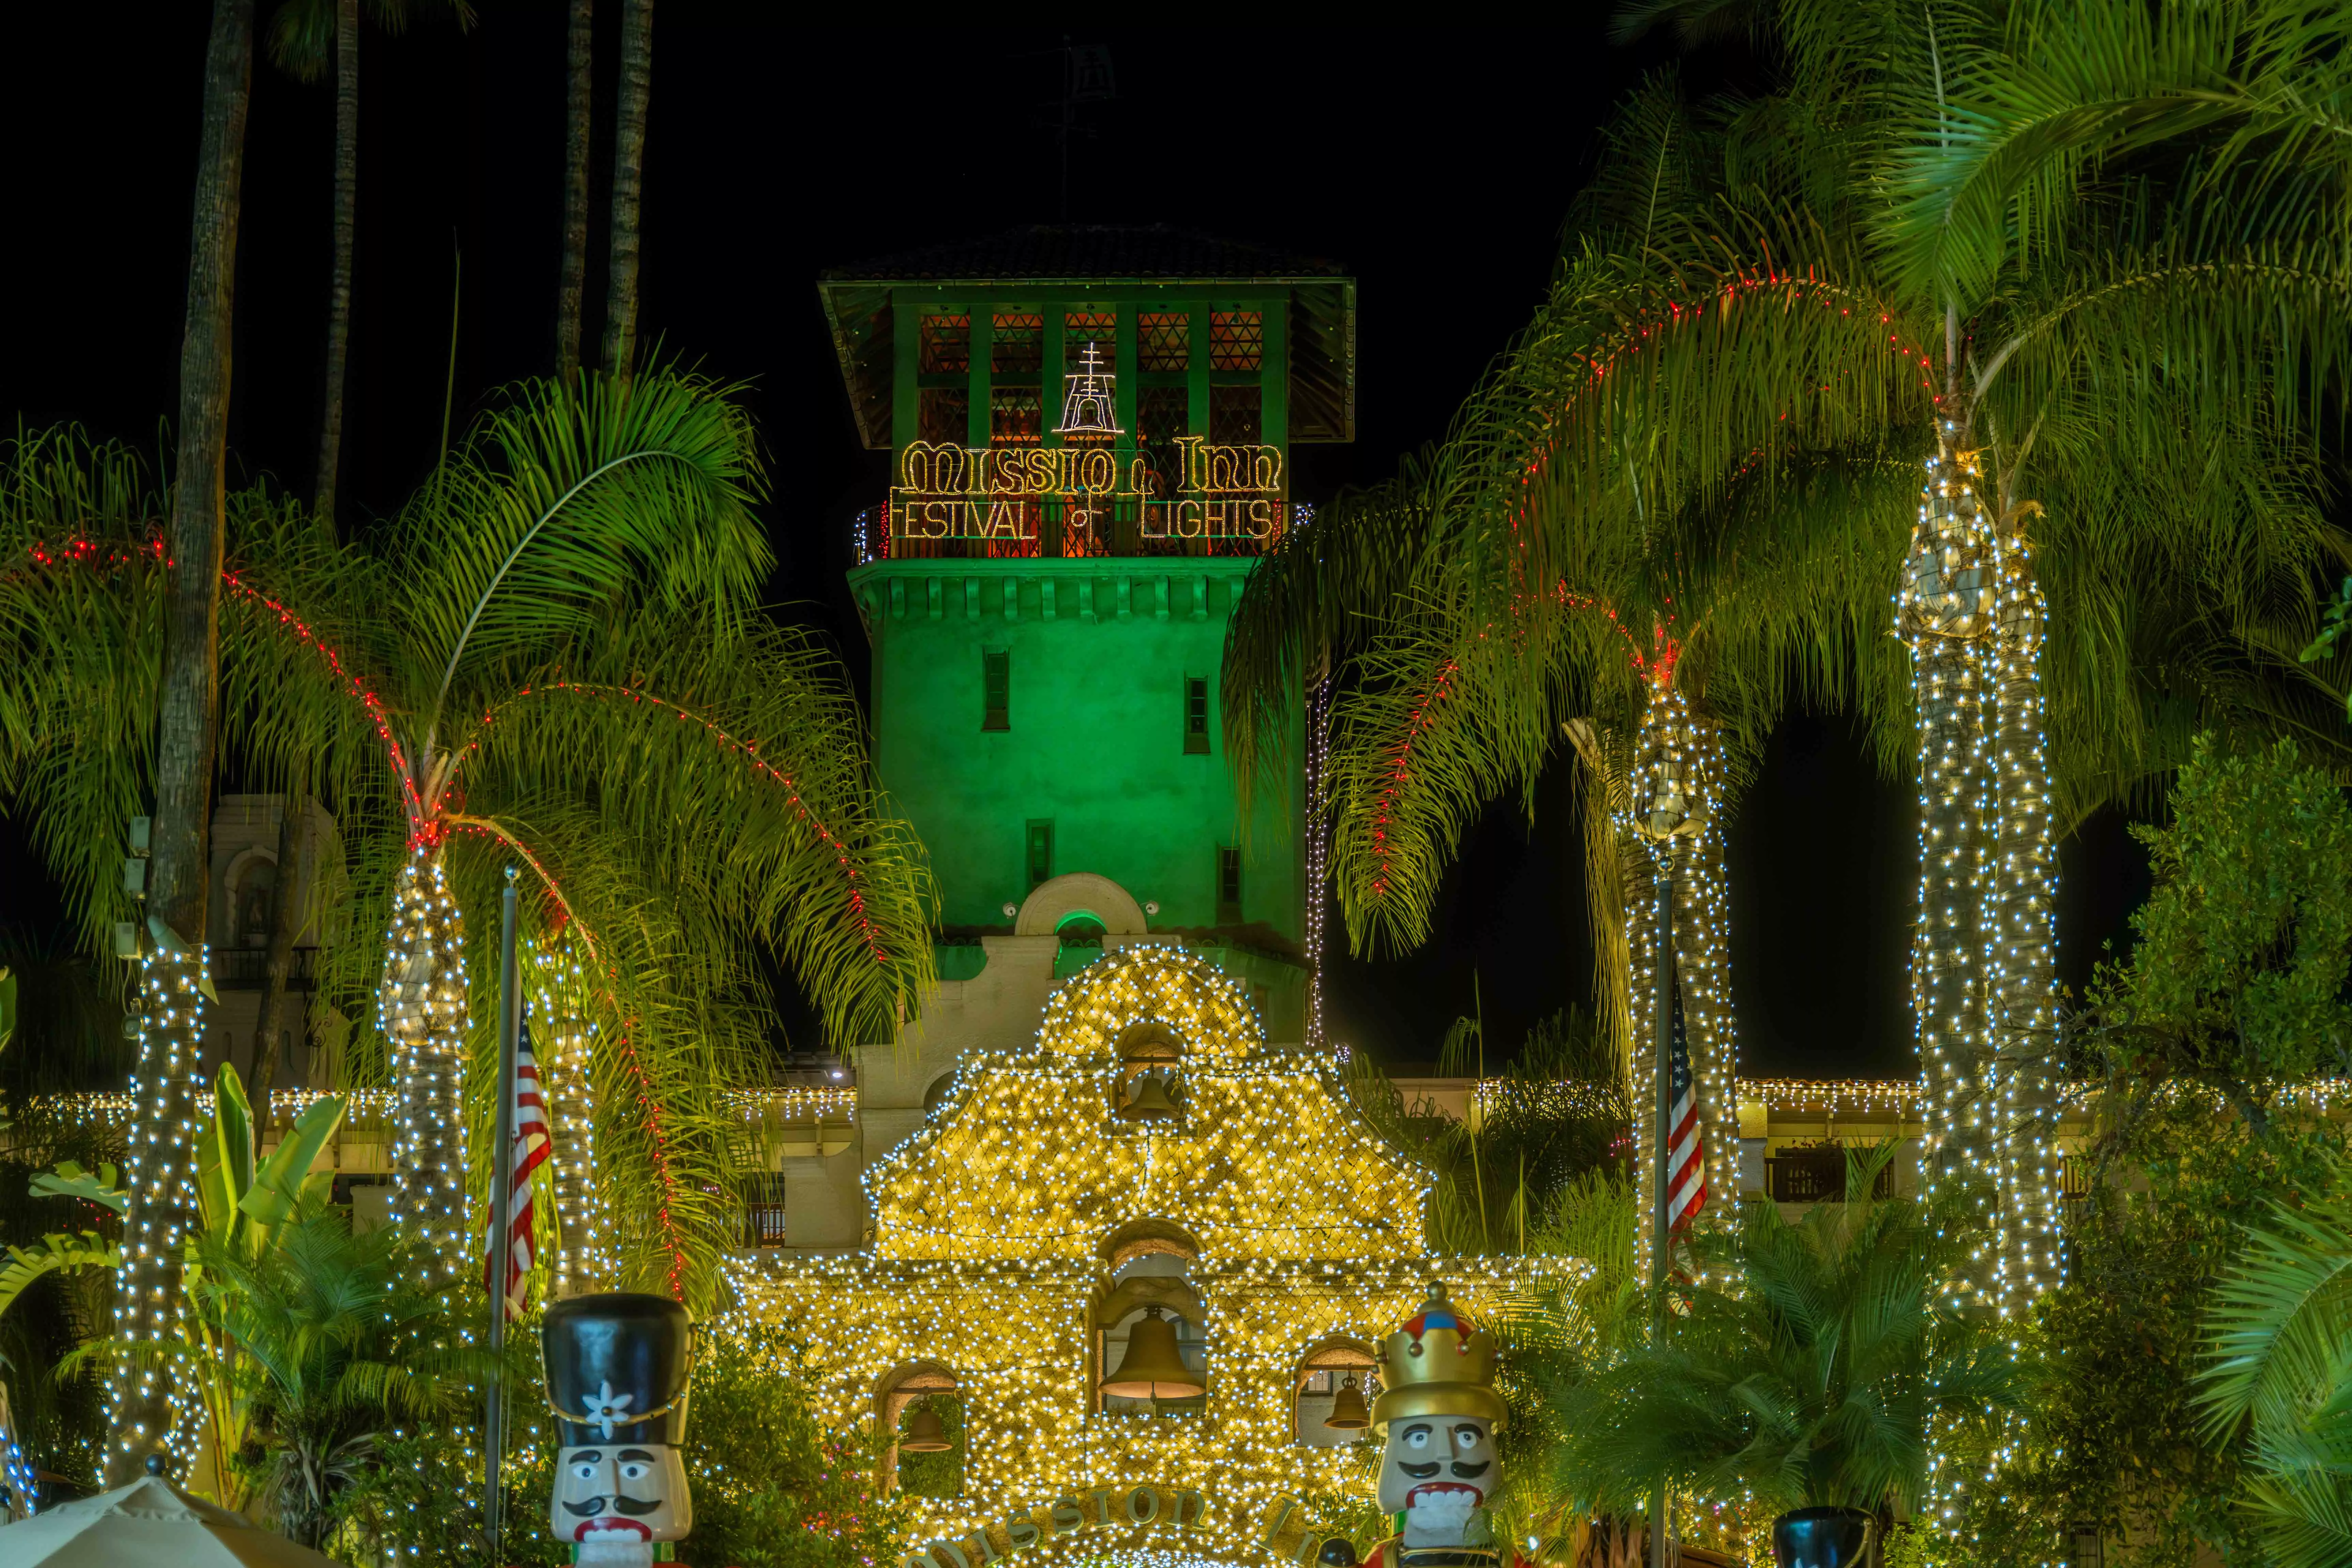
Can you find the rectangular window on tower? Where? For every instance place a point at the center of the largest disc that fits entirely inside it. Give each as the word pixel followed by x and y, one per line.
pixel 1196 716
pixel 1040 852
pixel 996 688
pixel 1229 885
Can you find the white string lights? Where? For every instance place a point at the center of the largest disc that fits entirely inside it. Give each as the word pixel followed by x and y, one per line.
pixel 2020 925
pixel 989 1259
pixel 1681 755
pixel 1939 612
pixel 146 1410
pixel 423 1011
pixel 1319 848
pixel 565 1040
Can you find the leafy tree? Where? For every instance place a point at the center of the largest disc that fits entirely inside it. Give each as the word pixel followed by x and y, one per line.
pixel 773 1486
pixel 2197 1044
pixel 2236 982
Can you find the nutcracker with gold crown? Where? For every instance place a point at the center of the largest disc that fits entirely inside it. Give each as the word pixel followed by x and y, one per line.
pixel 1436 1417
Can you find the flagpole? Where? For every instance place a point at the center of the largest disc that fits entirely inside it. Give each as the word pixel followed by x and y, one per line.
pixel 1661 1221
pixel 501 1197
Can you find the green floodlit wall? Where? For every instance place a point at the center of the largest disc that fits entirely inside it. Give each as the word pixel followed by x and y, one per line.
pixel 1098 651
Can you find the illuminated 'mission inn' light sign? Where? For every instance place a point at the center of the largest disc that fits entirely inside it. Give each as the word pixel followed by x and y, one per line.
pixel 993 492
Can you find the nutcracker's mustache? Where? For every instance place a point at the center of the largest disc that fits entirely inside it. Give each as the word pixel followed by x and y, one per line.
pixel 623 1504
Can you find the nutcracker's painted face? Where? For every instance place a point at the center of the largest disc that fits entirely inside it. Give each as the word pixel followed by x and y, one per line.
pixel 620 1492
pixel 1436 1470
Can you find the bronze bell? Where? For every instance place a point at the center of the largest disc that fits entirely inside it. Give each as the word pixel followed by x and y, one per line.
pixel 1152 1368
pixel 924 1434
pixel 1347 1411
pixel 1146 1100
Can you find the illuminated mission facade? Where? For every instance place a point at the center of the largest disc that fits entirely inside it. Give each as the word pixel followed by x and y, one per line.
pixel 1116 1118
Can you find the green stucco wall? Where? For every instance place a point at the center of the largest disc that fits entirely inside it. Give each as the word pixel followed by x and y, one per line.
pixel 1099 652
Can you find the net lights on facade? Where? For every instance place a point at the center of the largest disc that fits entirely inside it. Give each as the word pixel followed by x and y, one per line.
pixel 999 1223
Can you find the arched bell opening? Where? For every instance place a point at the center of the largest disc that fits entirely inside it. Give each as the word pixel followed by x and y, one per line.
pixel 1148 1091
pixel 1332 1393
pixel 1081 933
pixel 1151 1347
pixel 920 1409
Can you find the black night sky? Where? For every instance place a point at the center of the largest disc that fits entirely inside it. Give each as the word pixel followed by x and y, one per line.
pixel 1437 165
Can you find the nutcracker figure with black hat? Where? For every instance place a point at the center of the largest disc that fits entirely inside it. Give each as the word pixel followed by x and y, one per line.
pixel 616 1378
pixel 1436 1417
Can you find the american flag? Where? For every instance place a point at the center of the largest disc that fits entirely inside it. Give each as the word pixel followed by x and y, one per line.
pixel 1687 1147
pixel 531 1144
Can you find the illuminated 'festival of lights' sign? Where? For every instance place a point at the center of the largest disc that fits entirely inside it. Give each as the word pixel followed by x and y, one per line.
pixel 992 492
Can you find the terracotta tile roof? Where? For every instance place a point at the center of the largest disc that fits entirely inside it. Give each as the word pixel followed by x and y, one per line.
pixel 1092 251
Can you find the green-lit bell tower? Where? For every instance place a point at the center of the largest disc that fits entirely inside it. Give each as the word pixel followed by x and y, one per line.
pixel 1090 433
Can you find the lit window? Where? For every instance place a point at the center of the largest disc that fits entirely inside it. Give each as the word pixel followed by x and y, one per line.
pixel 1236 339
pixel 946 344
pixel 1016 416
pixel 1235 415
pixel 1020 345
pixel 943 416
pixel 1229 885
pixel 1196 716
pixel 996 688
pixel 1163 340
pixel 1041 852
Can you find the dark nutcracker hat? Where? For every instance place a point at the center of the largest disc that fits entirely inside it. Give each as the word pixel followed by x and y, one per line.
pixel 617 1369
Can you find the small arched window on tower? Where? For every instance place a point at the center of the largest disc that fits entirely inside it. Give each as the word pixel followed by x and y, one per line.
pixel 1149 1090
pixel 1151 1350
pixel 1334 1389
pixel 921 1408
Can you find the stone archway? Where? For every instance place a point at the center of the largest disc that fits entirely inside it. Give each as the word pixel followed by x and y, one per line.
pixel 1080 892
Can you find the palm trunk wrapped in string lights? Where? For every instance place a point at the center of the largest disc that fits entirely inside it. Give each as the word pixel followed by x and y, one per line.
pixel 423 1003
pixel 2019 924
pixel 159 1172
pixel 1681 755
pixel 1941 615
pixel 565 1038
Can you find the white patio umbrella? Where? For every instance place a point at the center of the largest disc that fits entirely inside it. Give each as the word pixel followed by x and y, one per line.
pixel 150 1523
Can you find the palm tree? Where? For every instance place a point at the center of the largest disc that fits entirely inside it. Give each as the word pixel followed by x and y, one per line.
pixel 333 1339
pixel 1756 323
pixel 308 37
pixel 1809 1378
pixel 175 978
pixel 2280 1375
pixel 628 184
pixel 571 282
pixel 571 679
pixel 548 659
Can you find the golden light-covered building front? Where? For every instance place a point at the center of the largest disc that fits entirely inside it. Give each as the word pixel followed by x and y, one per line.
pixel 1150 1161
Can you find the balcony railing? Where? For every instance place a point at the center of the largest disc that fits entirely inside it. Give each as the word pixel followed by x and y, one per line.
pixel 246 968
pixel 1816 1176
